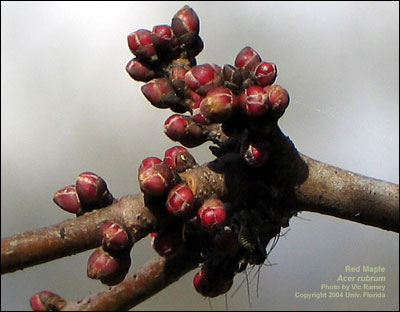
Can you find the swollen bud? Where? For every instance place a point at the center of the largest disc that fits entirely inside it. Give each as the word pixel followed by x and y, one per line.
pixel 141 44
pixel 114 236
pixel 203 78
pixel 212 213
pixel 278 100
pixel 67 198
pixel 157 179
pixel 185 130
pixel 46 301
pixel 185 21
pixel 180 200
pixel 247 59
pixel 179 158
pixel 219 104
pixel 160 93
pixel 92 191
pixel 210 286
pixel 253 101
pixel 138 71
pixel 265 73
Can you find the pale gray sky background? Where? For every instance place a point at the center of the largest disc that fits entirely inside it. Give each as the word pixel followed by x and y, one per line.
pixel 67 106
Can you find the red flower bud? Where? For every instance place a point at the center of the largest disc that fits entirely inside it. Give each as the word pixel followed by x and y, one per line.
pixel 185 130
pixel 255 154
pixel 108 268
pixel 141 45
pixel 167 242
pixel 253 101
pixel 179 158
pixel 210 286
pixel 278 100
pixel 248 59
pixel 149 162
pixel 157 179
pixel 265 73
pixel 197 115
pixel 226 243
pixel 185 21
pixel 114 236
pixel 160 93
pixel 46 301
pixel 162 35
pixel 202 78
pixel 139 71
pixel 177 77
pixel 92 189
pixel 219 104
pixel 212 213
pixel 180 200
pixel 67 198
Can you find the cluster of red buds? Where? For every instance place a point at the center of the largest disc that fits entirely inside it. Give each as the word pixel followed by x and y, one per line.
pixel 111 261
pixel 234 106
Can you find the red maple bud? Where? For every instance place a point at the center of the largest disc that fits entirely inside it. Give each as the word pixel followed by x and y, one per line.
pixel 157 179
pixel 46 301
pixel 92 190
pixel 167 242
pixel 138 71
pixel 248 59
pixel 197 115
pixel 203 78
pixel 185 130
pixel 226 243
pixel 149 162
pixel 255 154
pixel 219 104
pixel 114 236
pixel 212 213
pixel 177 77
pixel 253 101
pixel 265 73
pixel 179 158
pixel 278 100
pixel 107 267
pixel 160 93
pixel 141 44
pixel 185 21
pixel 162 35
pixel 180 200
pixel 210 286
pixel 67 199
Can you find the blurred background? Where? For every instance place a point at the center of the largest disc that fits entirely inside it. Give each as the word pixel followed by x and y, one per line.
pixel 67 106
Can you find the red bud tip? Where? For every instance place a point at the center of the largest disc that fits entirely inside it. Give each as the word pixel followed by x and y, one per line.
pixel 175 127
pixel 179 158
pixel 114 236
pixel 141 45
pixel 149 162
pixel 185 21
pixel 265 73
pixel 67 199
pixel 219 104
pixel 209 286
pixel 253 101
pixel 101 264
pixel 180 200
pixel 139 71
pixel 278 100
pixel 212 213
pixel 202 78
pixel 91 188
pixel 162 35
pixel 248 59
pixel 157 180
pixel 160 93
